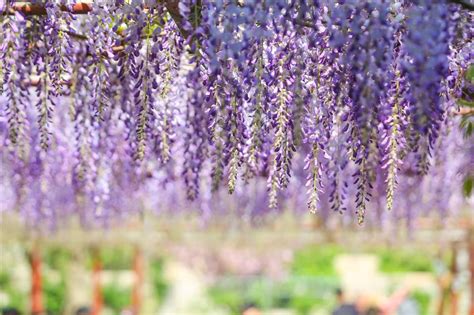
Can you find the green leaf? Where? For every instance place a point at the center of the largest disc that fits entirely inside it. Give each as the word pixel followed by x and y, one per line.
pixel 470 74
pixel 468 126
pixel 468 186
pixel 465 103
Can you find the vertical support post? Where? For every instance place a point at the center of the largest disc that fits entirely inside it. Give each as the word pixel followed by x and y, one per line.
pixel 36 281
pixel 97 302
pixel 453 294
pixel 471 265
pixel 138 284
pixel 445 279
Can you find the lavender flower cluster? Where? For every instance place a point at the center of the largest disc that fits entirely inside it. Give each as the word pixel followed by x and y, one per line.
pixel 350 98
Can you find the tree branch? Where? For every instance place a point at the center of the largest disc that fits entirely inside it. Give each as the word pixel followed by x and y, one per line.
pixel 28 8
pixel 39 9
pixel 466 4
pixel 465 111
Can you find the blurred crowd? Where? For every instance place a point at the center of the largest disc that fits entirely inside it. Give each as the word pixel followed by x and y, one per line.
pixel 399 303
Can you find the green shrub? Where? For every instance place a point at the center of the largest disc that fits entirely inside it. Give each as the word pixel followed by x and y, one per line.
pixel 54 295
pixel 57 258
pixel 394 261
pixel 16 299
pixel 158 281
pixel 423 299
pixel 305 303
pixel 5 279
pixel 315 261
pixel 115 297
pixel 298 293
pixel 117 258
pixel 230 299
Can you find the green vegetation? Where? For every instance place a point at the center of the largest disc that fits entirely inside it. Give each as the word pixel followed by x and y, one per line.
pixel 117 258
pixel 15 298
pixel 232 299
pixel 57 258
pixel 158 281
pixel 298 293
pixel 311 285
pixel 316 261
pixel 467 124
pixel 423 299
pixel 116 298
pixel 394 261
pixel 313 280
pixel 54 295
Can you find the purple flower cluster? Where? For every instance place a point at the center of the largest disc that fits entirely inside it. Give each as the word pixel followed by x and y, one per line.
pixel 353 98
pixel 426 47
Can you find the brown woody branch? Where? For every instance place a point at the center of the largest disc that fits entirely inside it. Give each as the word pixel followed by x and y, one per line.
pixel 172 6
pixel 83 8
pixel 466 4
pixel 29 9
pixel 465 111
pixel 39 9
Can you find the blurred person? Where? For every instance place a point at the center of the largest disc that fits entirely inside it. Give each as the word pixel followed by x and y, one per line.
pixel 10 311
pixel 83 310
pixel 409 306
pixel 398 303
pixel 393 303
pixel 126 311
pixel 250 309
pixel 344 308
pixel 369 304
pixel 373 310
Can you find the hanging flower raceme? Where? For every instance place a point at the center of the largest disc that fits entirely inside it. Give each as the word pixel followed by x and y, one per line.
pixel 427 50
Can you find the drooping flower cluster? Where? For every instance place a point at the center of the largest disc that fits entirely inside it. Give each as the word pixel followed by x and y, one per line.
pixel 100 101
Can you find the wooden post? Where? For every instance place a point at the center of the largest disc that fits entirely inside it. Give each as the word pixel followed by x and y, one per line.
pixel 453 294
pixel 36 284
pixel 138 284
pixel 471 266
pixel 444 281
pixel 97 302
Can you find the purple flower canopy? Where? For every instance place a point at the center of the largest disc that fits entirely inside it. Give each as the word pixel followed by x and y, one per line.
pixel 150 105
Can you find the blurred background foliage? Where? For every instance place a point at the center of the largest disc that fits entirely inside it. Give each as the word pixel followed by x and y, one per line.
pixel 159 283
pixel 116 298
pixel 396 261
pixel 310 281
pixel 313 280
pixel 55 267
